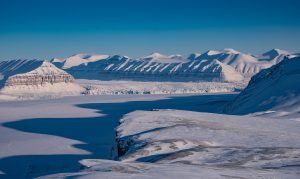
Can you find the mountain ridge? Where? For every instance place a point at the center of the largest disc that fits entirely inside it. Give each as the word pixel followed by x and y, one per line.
pixel 188 68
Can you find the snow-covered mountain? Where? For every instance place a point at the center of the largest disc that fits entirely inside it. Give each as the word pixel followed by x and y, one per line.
pixel 13 67
pixel 246 64
pixel 77 59
pixel 275 89
pixel 31 78
pixel 224 65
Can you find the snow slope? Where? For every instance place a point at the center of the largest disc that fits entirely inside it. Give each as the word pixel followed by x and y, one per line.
pixel 185 144
pixel 93 168
pixel 172 136
pixel 156 69
pixel 273 89
pixel 77 59
pixel 246 64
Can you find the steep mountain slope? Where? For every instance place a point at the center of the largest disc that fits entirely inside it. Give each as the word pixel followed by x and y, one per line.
pixel 276 89
pixel 274 55
pixel 246 64
pixel 46 79
pixel 231 64
pixel 156 67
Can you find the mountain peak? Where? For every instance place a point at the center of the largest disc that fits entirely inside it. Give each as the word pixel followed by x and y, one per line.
pixel 156 55
pixel 275 52
pixel 193 56
pixel 225 50
pixel 212 52
pixel 230 50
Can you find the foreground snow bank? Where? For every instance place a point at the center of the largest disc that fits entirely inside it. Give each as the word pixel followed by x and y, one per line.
pixel 184 144
pixel 172 136
pixel 116 169
pixel 97 87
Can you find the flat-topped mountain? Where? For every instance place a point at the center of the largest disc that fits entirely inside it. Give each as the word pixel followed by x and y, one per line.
pixel 36 77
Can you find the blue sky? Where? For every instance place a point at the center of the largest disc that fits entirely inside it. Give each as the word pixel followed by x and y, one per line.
pixel 59 28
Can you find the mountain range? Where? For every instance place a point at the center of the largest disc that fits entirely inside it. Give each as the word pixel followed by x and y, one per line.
pixel 227 65
pixel 58 75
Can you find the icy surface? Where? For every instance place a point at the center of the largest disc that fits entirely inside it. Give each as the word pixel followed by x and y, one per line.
pixel 98 87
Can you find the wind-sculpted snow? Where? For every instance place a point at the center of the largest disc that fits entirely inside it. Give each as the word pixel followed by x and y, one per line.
pixel 275 90
pixel 93 168
pixel 225 65
pixel 224 141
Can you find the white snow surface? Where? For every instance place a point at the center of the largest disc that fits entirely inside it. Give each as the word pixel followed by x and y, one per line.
pixel 75 136
pixel 78 59
pixel 214 140
pixel 275 89
pixel 114 169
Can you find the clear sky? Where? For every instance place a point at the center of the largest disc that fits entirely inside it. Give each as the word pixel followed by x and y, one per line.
pixel 59 28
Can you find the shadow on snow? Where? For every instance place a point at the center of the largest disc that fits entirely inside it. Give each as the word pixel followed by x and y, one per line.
pixel 97 134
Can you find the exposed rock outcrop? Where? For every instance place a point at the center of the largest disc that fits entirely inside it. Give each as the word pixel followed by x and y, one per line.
pixel 46 73
pixel 38 79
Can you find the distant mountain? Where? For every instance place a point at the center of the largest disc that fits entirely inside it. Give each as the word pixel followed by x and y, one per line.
pixel 274 89
pixel 13 67
pixel 246 64
pixel 77 59
pixel 155 67
pixel 36 77
pixel 223 65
